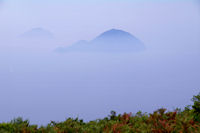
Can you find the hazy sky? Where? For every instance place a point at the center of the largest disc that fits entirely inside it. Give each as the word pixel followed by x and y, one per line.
pixel 71 21
pixel 41 85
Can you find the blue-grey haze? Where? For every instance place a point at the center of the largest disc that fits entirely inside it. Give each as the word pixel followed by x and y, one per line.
pixel 41 85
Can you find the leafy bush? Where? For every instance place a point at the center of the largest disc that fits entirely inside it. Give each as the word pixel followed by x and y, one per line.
pixel 196 107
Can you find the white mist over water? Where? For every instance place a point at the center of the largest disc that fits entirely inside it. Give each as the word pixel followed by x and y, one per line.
pixel 53 87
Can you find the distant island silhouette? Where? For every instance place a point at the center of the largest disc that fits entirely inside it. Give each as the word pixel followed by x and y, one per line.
pixel 113 40
pixel 37 33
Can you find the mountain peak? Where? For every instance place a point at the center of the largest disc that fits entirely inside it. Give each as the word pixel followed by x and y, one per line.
pixel 38 33
pixel 113 40
pixel 114 37
pixel 115 33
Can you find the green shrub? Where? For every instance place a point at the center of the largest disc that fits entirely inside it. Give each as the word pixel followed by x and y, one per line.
pixel 196 107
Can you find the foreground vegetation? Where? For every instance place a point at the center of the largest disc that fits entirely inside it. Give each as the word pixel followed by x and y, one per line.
pixel 161 121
